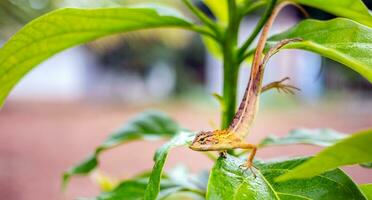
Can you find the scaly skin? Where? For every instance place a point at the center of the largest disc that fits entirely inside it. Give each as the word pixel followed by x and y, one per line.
pixel 233 136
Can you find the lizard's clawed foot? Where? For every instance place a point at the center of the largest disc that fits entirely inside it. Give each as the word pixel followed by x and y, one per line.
pixel 281 87
pixel 250 166
pixel 223 154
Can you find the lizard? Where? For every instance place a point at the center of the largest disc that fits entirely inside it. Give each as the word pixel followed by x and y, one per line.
pixel 233 136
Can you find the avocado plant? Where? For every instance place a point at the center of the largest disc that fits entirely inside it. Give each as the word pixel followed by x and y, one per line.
pixel 346 39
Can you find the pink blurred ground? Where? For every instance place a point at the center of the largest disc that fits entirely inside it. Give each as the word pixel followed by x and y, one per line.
pixel 39 141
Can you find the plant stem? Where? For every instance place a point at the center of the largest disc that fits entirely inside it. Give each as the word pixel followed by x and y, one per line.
pixel 265 32
pixel 230 66
pixel 202 17
pixel 230 83
pixel 258 28
pixel 205 31
pixel 246 55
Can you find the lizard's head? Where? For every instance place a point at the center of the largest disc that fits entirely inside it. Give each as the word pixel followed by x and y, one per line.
pixel 204 141
pixel 217 140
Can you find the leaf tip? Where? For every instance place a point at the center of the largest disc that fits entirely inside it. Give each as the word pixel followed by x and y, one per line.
pixel 65 180
pixel 282 178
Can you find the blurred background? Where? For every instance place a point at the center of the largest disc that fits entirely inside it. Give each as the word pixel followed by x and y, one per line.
pixel 65 107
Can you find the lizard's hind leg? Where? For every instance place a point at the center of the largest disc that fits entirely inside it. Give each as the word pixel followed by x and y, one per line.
pixel 249 163
pixel 280 86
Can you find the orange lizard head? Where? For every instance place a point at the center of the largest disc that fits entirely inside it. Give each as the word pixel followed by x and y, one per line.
pixel 211 141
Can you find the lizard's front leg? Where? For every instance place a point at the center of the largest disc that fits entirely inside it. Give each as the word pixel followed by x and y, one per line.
pixel 223 154
pixel 280 86
pixel 249 163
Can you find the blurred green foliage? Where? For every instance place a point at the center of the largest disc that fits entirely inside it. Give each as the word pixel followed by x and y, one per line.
pixel 15 13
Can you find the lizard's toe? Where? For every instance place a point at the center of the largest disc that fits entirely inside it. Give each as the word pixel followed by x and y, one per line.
pixel 249 166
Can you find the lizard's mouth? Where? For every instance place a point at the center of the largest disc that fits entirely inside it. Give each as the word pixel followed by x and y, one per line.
pixel 197 148
pixel 193 147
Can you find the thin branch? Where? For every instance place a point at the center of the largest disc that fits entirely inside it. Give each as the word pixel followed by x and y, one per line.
pixel 301 9
pixel 246 55
pixel 257 29
pixel 233 26
pixel 232 8
pixel 242 50
pixel 254 6
pixel 265 32
pixel 202 17
pixel 205 31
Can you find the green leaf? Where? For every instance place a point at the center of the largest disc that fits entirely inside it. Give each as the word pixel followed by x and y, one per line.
pixel 128 190
pixel 160 157
pixel 81 169
pixel 219 10
pixel 340 39
pixel 367 190
pixel 64 28
pixel 320 137
pixel 148 125
pixel 181 184
pixel 366 165
pixel 184 196
pixel 135 189
pixel 352 150
pixel 352 9
pixel 213 47
pixel 228 181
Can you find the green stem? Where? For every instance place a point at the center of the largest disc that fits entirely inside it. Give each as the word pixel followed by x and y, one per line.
pixel 246 55
pixel 230 84
pixel 230 66
pixel 205 31
pixel 202 17
pixel 258 28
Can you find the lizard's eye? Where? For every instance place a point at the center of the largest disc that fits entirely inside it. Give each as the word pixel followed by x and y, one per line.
pixel 203 140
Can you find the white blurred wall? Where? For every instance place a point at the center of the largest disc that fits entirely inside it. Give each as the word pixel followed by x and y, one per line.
pixel 62 77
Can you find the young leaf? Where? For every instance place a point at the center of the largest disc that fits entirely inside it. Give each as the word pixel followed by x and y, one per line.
pixel 352 150
pixel 213 47
pixel 342 40
pixel 352 9
pixel 366 165
pixel 184 196
pixel 219 10
pixel 228 181
pixel 135 188
pixel 367 190
pixel 103 181
pixel 147 125
pixel 128 190
pixel 153 187
pixel 64 28
pixel 320 137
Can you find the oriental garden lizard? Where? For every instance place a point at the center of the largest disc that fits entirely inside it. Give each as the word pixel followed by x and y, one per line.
pixel 233 136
